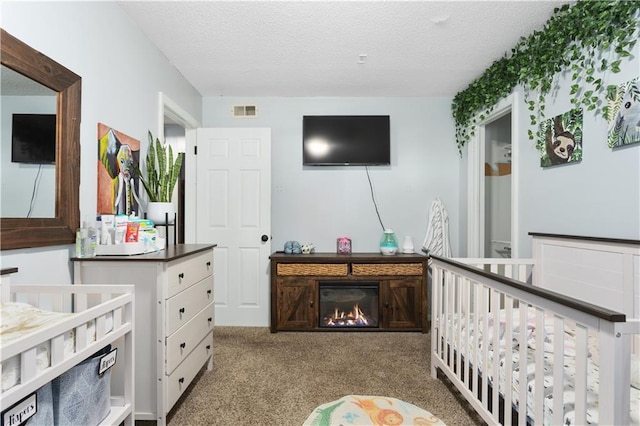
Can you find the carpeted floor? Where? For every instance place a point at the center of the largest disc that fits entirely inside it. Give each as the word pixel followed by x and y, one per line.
pixel 260 378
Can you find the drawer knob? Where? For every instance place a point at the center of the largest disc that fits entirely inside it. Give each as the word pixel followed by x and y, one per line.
pixel 208 347
pixel 183 345
pixel 181 276
pixel 208 265
pixel 181 380
pixel 208 293
pixel 181 311
pixel 209 319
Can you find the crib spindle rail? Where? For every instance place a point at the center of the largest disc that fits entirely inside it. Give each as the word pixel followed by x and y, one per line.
pixel 510 348
pixel 85 303
pixel 517 269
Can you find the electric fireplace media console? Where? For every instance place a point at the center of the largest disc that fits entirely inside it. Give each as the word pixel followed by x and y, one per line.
pixel 358 291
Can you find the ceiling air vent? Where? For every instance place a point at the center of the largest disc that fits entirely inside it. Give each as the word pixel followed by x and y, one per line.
pixel 244 111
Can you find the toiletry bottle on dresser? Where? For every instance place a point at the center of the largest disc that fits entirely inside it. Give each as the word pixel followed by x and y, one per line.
pixel 86 239
pixel 92 234
pixel 82 242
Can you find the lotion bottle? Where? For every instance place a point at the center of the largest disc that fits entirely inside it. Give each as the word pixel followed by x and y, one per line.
pixel 82 242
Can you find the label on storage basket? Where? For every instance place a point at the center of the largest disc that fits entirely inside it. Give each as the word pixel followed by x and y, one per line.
pixel 107 361
pixel 20 412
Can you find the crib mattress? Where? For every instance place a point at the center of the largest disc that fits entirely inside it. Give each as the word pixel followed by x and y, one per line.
pixel 476 339
pixel 18 320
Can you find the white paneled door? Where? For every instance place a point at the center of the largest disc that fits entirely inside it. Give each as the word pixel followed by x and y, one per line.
pixel 233 210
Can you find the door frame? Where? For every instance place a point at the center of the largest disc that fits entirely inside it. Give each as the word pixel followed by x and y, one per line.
pixel 476 178
pixel 167 107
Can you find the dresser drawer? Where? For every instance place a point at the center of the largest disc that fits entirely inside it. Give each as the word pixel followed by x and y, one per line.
pixel 182 342
pixel 179 380
pixel 188 271
pixel 186 304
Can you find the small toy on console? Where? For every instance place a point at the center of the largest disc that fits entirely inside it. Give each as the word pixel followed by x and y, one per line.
pixel 292 247
pixel 344 245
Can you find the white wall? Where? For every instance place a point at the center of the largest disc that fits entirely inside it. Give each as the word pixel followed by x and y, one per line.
pixel 319 204
pixel 600 196
pixel 122 73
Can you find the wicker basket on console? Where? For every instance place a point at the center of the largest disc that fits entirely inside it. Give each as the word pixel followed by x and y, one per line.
pixel 386 269
pixel 320 269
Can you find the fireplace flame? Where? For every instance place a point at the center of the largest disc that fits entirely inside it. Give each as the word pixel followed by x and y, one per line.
pixel 354 318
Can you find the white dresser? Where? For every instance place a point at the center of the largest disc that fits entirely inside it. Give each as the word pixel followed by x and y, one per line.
pixel 174 314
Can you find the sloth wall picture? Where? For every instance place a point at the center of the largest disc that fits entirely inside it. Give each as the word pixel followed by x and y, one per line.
pixel 623 114
pixel 560 139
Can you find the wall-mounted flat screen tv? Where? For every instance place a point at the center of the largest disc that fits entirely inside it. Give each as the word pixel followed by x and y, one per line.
pixel 346 140
pixel 33 138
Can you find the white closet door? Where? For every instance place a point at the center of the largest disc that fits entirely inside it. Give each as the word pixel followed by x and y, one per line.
pixel 233 210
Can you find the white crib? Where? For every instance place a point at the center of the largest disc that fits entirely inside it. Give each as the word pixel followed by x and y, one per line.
pixel 557 334
pixel 81 321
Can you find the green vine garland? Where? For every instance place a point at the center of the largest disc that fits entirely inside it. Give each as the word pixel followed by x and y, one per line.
pixel 576 39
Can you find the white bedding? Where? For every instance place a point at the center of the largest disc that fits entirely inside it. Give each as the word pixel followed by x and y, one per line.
pixel 19 319
pixel 476 339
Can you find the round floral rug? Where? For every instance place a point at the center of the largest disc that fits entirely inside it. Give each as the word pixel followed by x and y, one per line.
pixel 370 411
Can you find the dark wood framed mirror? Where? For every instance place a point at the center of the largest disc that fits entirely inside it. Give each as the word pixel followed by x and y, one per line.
pixel 58 230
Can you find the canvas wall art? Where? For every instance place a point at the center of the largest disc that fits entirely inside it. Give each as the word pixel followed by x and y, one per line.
pixel 118 160
pixel 624 114
pixel 560 139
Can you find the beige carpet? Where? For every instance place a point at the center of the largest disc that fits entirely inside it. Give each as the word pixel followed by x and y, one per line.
pixel 260 378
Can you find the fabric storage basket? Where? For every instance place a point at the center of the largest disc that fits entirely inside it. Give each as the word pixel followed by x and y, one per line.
pixel 80 395
pixel 44 415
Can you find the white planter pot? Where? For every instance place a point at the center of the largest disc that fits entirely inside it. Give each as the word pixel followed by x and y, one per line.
pixel 156 212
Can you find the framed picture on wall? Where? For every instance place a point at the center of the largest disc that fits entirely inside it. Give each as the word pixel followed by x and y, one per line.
pixel 623 114
pixel 560 139
pixel 118 159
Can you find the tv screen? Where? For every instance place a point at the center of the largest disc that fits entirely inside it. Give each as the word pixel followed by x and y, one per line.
pixel 346 140
pixel 33 138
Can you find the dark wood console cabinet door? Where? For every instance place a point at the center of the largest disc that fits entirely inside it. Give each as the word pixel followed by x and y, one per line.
pixel 401 303
pixel 296 303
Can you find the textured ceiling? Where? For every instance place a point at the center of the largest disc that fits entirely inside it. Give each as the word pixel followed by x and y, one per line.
pixel 335 48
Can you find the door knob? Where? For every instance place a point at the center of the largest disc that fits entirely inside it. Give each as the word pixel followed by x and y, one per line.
pixel 264 238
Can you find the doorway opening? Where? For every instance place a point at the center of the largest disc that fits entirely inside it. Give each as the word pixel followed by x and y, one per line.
pixel 174 134
pixel 174 123
pixel 497 187
pixel 492 225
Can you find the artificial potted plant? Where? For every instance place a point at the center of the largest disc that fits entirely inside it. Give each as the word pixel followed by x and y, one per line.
pixel 160 180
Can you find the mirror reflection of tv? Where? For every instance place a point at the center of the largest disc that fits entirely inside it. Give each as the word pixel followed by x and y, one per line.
pixel 33 138
pixel 346 140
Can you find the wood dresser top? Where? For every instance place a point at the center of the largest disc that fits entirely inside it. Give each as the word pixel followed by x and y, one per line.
pixel 167 255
